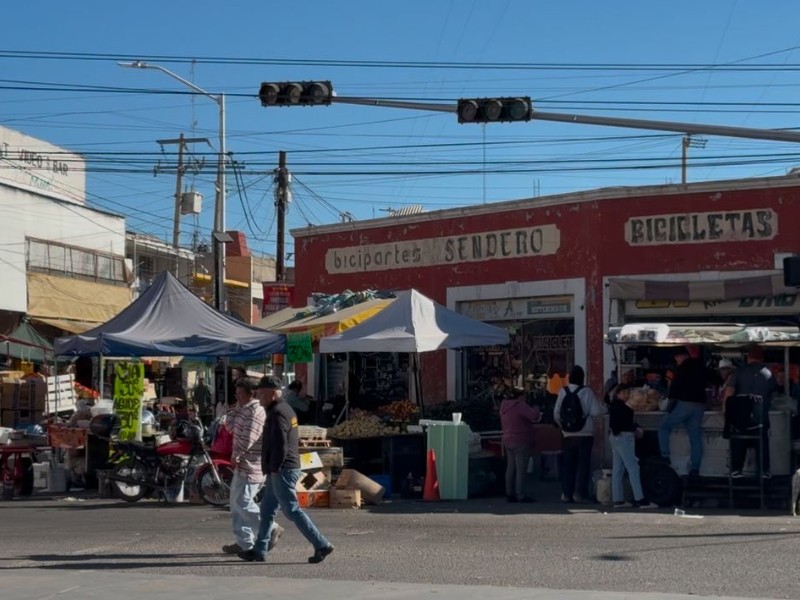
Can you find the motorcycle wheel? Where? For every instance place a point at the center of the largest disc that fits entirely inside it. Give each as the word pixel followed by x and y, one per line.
pixel 132 468
pixel 211 493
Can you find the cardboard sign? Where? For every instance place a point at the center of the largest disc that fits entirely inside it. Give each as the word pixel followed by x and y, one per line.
pixel 128 391
pixel 298 348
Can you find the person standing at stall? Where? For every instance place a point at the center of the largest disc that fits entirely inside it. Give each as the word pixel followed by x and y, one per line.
pixel 688 392
pixel 575 410
pixel 201 397
pixel 623 435
pixel 753 379
pixel 517 420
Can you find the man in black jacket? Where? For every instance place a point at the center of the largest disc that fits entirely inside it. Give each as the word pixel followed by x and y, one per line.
pixel 688 388
pixel 280 462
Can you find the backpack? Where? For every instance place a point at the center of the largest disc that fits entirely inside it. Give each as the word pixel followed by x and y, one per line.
pixel 572 417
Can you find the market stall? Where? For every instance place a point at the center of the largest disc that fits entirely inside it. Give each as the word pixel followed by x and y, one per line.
pixel 644 353
pixel 412 324
pixel 166 320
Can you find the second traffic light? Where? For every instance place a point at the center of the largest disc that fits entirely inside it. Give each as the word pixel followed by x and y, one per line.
pixel 291 93
pixel 491 110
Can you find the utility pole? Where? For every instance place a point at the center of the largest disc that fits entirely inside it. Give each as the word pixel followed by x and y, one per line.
pixel 180 169
pixel 282 198
pixel 689 142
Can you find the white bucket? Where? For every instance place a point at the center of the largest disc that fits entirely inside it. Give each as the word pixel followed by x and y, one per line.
pixel 174 493
pixel 57 479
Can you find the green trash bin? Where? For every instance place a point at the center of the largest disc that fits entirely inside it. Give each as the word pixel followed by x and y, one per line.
pixel 450 445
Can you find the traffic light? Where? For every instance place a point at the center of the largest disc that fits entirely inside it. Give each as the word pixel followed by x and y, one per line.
pixel 491 110
pixel 291 93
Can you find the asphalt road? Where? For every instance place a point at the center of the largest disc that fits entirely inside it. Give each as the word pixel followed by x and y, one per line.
pixel 467 543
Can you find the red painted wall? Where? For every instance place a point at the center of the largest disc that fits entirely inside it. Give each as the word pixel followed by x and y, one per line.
pixel 592 246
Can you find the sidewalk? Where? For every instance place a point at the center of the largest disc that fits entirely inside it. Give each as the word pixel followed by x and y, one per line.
pixel 19 585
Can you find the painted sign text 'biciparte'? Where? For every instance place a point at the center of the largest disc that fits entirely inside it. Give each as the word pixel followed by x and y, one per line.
pixel 473 247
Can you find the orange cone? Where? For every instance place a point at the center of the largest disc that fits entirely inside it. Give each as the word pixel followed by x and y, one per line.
pixel 430 492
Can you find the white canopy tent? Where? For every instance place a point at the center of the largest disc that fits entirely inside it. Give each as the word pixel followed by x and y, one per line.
pixel 414 323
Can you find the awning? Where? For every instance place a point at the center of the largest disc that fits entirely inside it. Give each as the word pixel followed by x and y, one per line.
pixel 337 322
pixel 67 325
pixel 710 290
pixel 52 297
pixel 282 318
pixel 733 334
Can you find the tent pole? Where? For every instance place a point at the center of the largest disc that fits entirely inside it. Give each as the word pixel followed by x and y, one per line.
pixel 418 384
pixel 57 387
pixel 101 384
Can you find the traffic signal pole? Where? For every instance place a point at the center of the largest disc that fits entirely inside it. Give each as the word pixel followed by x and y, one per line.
pixel 777 135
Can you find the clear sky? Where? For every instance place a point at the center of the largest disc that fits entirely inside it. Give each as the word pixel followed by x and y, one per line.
pixel 726 62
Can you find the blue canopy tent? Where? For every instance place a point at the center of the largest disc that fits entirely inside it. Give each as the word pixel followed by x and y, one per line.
pixel 168 320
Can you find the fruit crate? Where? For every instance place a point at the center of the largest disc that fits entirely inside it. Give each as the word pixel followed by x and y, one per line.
pixel 312 432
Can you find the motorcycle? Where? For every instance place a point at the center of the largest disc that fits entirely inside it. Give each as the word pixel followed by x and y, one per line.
pixel 140 469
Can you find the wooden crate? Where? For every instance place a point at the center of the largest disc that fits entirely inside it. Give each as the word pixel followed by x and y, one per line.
pixel 317 499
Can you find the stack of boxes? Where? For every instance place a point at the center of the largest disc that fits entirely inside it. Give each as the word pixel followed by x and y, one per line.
pixel 321 468
pixel 22 403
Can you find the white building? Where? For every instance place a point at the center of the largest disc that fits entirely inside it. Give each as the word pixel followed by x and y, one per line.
pixel 61 262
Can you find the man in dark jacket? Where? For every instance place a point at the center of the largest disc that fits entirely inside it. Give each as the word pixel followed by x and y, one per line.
pixel 280 462
pixel 688 391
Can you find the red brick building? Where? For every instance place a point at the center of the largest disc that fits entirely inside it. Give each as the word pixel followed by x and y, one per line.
pixel 558 270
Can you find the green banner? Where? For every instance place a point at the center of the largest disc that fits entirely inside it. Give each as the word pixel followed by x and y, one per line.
pixel 128 392
pixel 298 348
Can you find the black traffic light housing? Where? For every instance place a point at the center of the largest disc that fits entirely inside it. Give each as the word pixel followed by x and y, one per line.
pixel 492 110
pixel 294 93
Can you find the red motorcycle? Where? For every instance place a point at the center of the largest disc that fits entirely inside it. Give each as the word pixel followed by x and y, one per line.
pixel 140 469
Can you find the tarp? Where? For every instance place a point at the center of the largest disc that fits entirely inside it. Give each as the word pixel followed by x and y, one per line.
pixel 415 323
pixel 168 320
pixel 27 344
pixel 53 297
pixel 709 290
pixel 722 334
pixel 284 316
pixel 335 322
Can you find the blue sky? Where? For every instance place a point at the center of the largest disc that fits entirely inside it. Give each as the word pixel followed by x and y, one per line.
pixel 335 151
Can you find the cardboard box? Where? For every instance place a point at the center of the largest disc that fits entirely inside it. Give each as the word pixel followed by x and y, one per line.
pixel 310 461
pixel 19 419
pixel 312 481
pixel 30 394
pixel 351 479
pixel 330 457
pixel 317 499
pixel 345 498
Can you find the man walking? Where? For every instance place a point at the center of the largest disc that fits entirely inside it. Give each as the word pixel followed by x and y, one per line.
pixel 688 388
pixel 280 461
pixel 246 422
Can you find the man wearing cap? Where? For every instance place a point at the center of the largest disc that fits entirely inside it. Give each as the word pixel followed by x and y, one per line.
pixel 726 370
pixel 688 392
pixel 280 462
pixel 246 422
pixel 753 379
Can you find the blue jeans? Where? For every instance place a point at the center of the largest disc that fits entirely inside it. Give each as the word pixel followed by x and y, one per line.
pixel 244 511
pixel 690 414
pixel 280 492
pixel 623 447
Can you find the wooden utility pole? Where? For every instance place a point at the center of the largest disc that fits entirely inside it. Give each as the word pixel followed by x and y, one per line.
pixel 180 169
pixel 282 198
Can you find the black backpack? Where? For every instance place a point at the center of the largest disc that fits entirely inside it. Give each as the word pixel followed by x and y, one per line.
pixel 572 417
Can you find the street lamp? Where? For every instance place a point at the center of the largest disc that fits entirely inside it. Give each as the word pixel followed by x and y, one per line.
pixel 218 234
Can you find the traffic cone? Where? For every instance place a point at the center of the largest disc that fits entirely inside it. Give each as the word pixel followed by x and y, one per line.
pixel 430 493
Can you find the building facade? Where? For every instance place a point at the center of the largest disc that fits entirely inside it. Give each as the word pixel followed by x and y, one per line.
pixel 61 261
pixel 558 271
